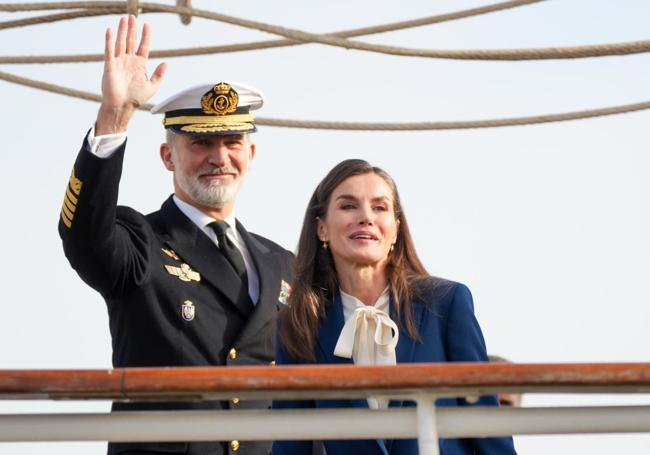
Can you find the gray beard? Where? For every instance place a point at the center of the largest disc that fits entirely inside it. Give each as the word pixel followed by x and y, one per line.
pixel 212 194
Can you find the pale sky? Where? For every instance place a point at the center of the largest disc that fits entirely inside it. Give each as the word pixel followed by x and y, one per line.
pixel 548 225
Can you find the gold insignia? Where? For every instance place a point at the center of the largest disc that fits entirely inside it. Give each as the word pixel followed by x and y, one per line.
pixel 71 197
pixel 67 221
pixel 75 183
pixel 207 128
pixel 67 212
pixel 184 272
pixel 221 100
pixel 171 253
pixel 69 206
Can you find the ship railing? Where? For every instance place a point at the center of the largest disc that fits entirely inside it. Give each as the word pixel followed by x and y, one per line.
pixel 420 383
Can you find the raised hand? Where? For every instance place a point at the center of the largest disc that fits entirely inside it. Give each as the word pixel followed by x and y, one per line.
pixel 125 84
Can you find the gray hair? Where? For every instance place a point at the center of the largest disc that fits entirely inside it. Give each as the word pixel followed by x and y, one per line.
pixel 170 136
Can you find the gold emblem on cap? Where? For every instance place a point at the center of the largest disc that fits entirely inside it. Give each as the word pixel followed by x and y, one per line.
pixel 221 100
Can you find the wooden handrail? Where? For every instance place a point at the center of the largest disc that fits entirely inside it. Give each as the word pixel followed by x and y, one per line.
pixel 325 381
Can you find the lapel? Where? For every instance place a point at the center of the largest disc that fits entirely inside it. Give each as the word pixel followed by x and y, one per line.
pixel 196 249
pixel 328 335
pixel 405 349
pixel 269 273
pixel 329 332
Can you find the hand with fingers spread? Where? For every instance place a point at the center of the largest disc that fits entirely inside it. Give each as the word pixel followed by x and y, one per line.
pixel 125 84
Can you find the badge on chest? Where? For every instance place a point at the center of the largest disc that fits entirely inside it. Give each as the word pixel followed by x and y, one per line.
pixel 184 272
pixel 188 311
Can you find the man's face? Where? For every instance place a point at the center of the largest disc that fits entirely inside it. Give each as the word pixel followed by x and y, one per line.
pixel 208 170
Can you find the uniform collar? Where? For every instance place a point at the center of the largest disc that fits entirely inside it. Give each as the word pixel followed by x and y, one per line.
pixel 202 220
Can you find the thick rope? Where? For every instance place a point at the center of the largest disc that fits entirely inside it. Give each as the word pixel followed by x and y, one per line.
pixel 60 17
pixel 391 27
pixel 206 50
pixel 48 6
pixel 628 48
pixel 186 19
pixel 358 126
pixel 132 7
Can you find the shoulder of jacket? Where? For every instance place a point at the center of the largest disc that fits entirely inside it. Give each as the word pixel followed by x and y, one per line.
pixel 271 245
pixel 439 291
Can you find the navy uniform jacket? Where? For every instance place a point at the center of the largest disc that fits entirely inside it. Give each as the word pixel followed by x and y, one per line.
pixel 159 314
pixel 450 333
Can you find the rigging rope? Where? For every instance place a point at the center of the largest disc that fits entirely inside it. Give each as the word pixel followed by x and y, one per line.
pixel 337 39
pixel 571 52
pixel 375 29
pixel 359 126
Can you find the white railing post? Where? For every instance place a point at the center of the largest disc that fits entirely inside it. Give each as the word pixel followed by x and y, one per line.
pixel 427 425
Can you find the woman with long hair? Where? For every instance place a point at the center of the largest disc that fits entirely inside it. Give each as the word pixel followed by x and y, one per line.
pixel 361 295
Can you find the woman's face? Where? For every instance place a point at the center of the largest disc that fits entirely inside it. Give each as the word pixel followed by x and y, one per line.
pixel 359 223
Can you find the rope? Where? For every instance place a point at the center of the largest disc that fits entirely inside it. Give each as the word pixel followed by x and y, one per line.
pixel 186 19
pixel 627 48
pixel 132 7
pixel 59 17
pixel 391 27
pixel 45 6
pixel 395 26
pixel 357 126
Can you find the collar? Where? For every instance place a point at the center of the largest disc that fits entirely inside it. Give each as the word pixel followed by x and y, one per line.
pixel 351 303
pixel 202 220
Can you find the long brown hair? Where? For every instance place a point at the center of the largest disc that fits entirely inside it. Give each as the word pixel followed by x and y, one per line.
pixel 315 282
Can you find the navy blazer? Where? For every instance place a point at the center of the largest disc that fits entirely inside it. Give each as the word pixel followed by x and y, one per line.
pixel 450 333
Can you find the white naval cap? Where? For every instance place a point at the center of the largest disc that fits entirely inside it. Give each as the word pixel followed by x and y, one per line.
pixel 222 108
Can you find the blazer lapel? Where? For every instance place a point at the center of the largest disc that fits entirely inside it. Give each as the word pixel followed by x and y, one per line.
pixel 328 336
pixel 195 248
pixel 329 332
pixel 405 350
pixel 268 271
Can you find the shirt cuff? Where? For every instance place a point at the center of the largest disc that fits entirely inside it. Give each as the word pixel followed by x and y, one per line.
pixel 104 146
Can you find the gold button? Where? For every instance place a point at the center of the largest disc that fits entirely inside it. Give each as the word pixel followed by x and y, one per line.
pixel 272 363
pixel 235 400
pixel 234 445
pixel 232 354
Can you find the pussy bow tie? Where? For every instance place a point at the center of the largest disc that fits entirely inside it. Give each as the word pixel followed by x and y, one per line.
pixel 369 336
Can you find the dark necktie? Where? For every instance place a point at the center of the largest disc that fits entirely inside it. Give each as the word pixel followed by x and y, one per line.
pixel 229 250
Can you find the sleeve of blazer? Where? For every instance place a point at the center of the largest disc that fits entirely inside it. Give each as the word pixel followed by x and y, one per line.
pixel 290 447
pixel 465 343
pixel 106 245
